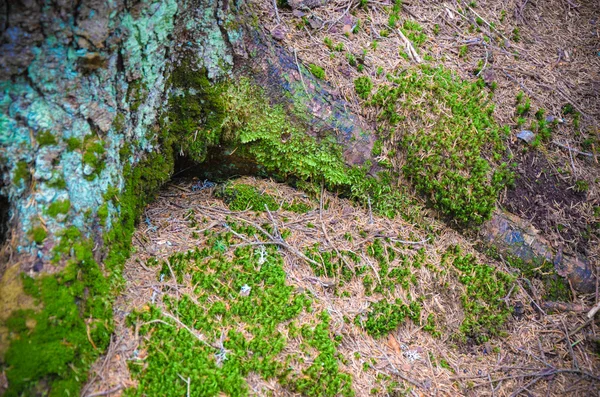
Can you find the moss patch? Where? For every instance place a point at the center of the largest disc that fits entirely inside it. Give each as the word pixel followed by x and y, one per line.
pixel 58 207
pixel 483 301
pixel 242 197
pixel 46 138
pixel 72 328
pixel 453 145
pixel 239 305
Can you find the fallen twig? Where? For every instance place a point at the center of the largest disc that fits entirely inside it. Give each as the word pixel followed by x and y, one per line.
pixel 106 392
pixel 570 149
pixel 410 50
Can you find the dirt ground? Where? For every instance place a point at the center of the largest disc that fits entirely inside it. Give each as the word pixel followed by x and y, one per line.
pixel 542 353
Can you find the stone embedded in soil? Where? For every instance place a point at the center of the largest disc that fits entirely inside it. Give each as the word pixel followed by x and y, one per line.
pixel 526 135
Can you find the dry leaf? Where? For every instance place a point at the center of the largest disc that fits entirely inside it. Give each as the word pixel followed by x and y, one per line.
pixel 393 343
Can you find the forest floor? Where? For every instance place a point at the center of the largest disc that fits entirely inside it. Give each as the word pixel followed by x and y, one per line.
pixel 386 308
pixel 344 301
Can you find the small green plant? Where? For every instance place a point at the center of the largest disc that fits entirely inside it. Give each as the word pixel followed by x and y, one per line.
pixel 581 186
pixel 523 108
pixel 46 138
pixel 395 14
pixel 60 207
pixel 241 197
pixel 462 51
pixel 516 35
pixel 436 29
pixel 38 234
pixel 351 59
pixel 363 86
pixel 317 71
pixel 328 42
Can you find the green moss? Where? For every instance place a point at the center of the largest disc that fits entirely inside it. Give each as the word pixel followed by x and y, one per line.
pixel 363 86
pixel 74 143
pixel 58 207
pixel 46 138
pixel 581 186
pixel 384 317
pixel 298 207
pixel 102 214
pixel 71 329
pixel 93 156
pixel 317 71
pixel 414 31
pixel 241 197
pixel 456 162
pixel 137 92
pixel 74 324
pixel 483 301
pixel 119 122
pixel 394 14
pixel 556 288
pixel 57 182
pixel 21 173
pixel 38 234
pixel 229 356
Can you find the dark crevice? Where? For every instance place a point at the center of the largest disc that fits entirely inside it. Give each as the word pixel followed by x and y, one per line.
pixel 219 166
pixel 4 218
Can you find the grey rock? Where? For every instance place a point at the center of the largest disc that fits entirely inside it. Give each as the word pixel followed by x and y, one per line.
pixel 526 135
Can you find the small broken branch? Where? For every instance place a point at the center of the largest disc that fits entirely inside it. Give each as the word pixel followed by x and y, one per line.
pixel 410 49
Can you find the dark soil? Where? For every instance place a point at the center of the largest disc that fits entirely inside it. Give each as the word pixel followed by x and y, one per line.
pixel 548 201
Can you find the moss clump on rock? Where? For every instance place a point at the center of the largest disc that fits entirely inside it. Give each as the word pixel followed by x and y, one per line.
pixel 58 207
pixel 38 234
pixel 46 138
pixel 21 173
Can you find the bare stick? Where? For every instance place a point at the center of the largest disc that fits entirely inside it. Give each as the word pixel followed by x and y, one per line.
pixel 571 157
pixel 275 229
pixel 187 381
pixel 410 50
pixel 106 392
pixel 300 72
pixel 174 278
pixel 178 321
pixel 570 345
pixel 593 311
pixel 276 12
pixel 568 147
